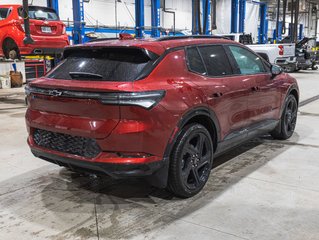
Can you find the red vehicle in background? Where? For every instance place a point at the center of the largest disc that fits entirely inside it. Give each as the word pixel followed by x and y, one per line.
pixel 47 31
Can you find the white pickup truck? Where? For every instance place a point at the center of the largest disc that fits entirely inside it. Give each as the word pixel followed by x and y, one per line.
pixel 282 54
pixel 279 54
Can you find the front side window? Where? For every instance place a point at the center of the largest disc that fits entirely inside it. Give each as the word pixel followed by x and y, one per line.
pixel 195 62
pixel 216 60
pixel 4 12
pixel 247 62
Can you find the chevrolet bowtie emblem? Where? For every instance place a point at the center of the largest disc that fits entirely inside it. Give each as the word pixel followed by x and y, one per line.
pixel 55 93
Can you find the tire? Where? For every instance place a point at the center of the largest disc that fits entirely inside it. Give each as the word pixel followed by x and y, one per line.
pixel 10 49
pixel 287 124
pixel 191 161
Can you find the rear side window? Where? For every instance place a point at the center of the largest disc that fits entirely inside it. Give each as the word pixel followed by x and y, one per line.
pixel 216 60
pixel 4 13
pixel 40 13
pixel 194 61
pixel 106 64
pixel 247 62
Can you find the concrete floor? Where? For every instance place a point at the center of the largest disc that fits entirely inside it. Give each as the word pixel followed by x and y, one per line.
pixel 265 189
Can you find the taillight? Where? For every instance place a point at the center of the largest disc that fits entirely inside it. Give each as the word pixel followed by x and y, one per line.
pixel 142 99
pixel 281 49
pixel 63 29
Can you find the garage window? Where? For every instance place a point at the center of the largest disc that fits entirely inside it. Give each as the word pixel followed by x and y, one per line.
pixel 4 13
pixel 103 64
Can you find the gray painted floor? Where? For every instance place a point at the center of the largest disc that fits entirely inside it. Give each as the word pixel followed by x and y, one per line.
pixel 265 189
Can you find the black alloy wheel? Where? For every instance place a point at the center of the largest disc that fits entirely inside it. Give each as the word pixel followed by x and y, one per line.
pixel 191 161
pixel 288 120
pixel 291 116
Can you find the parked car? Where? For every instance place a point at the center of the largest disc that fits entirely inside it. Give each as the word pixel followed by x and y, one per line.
pixel 47 31
pixel 161 109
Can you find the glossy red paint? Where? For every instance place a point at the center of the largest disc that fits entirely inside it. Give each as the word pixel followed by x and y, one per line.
pixel 11 28
pixel 145 134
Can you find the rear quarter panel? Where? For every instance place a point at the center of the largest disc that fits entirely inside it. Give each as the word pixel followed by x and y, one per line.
pixel 152 130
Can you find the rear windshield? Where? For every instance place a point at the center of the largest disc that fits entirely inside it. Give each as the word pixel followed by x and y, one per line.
pixel 107 64
pixel 40 13
pixel 4 12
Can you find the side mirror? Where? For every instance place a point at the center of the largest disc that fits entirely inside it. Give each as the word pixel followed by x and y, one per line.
pixel 276 70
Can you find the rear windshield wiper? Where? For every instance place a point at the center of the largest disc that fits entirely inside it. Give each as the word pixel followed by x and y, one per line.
pixel 85 75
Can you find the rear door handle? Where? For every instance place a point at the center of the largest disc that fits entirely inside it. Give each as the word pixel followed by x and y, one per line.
pixel 218 94
pixel 255 88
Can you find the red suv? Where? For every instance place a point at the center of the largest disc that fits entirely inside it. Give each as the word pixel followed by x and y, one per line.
pixel 160 109
pixel 47 31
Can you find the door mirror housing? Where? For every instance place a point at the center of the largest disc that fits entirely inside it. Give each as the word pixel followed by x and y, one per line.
pixel 276 70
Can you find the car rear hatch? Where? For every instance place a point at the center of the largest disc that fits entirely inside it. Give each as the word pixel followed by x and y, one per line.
pixel 83 94
pixel 44 21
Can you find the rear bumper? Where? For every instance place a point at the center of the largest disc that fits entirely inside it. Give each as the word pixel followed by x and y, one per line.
pixel 46 51
pixel 286 61
pixel 115 170
pixel 44 46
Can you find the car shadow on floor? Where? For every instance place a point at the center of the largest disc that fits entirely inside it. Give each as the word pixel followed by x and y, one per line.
pixel 126 208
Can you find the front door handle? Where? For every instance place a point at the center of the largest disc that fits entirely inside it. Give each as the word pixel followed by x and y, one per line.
pixel 217 94
pixel 255 88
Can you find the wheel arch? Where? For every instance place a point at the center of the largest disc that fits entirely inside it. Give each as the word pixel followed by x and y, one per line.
pixel 8 40
pixel 293 90
pixel 201 115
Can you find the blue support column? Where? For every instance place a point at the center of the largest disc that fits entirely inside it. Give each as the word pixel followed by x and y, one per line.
pixel 263 26
pixel 53 4
pixel 155 6
pixel 78 19
pixel 206 4
pixel 300 31
pixel 139 18
pixel 242 15
pixel 234 16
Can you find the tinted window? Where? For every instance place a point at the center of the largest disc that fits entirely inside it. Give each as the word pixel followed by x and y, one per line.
pixel 247 62
pixel 195 62
pixel 40 13
pixel 108 64
pixel 216 61
pixel 4 12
